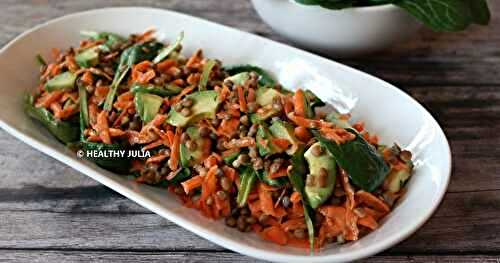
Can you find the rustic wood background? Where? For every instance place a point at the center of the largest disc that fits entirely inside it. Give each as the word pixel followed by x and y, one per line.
pixel 51 213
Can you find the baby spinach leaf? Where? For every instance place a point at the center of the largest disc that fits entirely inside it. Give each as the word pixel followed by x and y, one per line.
pixel 296 176
pixel 167 91
pixel 112 40
pixel 40 60
pixel 166 51
pixel 265 78
pixel 119 165
pixel 440 15
pixel 64 131
pixel 247 180
pixel 182 176
pixel 364 165
pixel 480 12
pixel 130 56
pixel 84 109
pixel 264 177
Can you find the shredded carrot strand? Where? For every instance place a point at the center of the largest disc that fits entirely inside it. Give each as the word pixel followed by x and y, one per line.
pixel 241 97
pixel 174 158
pixel 102 127
pixel 299 103
pixel 192 183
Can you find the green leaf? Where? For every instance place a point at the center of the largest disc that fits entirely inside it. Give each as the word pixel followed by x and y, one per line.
pixel 169 90
pixel 207 69
pixel 112 40
pixel 182 176
pixel 265 78
pixel 480 12
pixel 40 60
pixel 165 52
pixel 364 165
pixel 247 180
pixel 264 177
pixel 130 56
pixel 296 176
pixel 114 164
pixel 440 15
pixel 64 131
pixel 84 109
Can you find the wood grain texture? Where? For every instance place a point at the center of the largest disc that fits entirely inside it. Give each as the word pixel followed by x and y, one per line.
pixel 51 213
pixel 43 256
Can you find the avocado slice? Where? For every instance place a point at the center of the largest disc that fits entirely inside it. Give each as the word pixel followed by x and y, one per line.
pixel 239 79
pixel 263 114
pixel 168 90
pixel 88 58
pixel 285 130
pixel 315 193
pixel 205 105
pixel 334 118
pixel 396 179
pixel 63 81
pixel 265 95
pixel 264 143
pixel 147 105
pixel 189 158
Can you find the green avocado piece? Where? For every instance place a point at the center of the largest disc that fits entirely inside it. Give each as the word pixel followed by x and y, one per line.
pixel 265 79
pixel 239 79
pixel 88 58
pixel 316 194
pixel 189 158
pixel 263 114
pixel 264 143
pixel 334 118
pixel 167 91
pixel 265 95
pixel 63 81
pixel 285 130
pixel 396 179
pixel 205 105
pixel 147 105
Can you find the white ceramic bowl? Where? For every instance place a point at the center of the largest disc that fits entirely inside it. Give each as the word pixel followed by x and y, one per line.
pixel 386 110
pixel 340 33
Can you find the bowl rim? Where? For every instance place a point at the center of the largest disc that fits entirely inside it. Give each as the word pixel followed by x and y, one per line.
pixel 196 229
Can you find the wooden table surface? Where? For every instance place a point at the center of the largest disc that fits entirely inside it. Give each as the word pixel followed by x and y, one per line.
pixel 51 213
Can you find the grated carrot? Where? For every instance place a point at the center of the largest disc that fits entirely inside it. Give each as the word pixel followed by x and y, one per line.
pixel 299 103
pixel 192 183
pixel 241 97
pixel 174 158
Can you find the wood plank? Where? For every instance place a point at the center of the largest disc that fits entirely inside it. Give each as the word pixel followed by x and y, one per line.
pixel 430 58
pixel 466 222
pixel 105 256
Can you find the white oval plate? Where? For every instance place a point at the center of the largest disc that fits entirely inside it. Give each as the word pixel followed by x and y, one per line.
pixel 387 111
